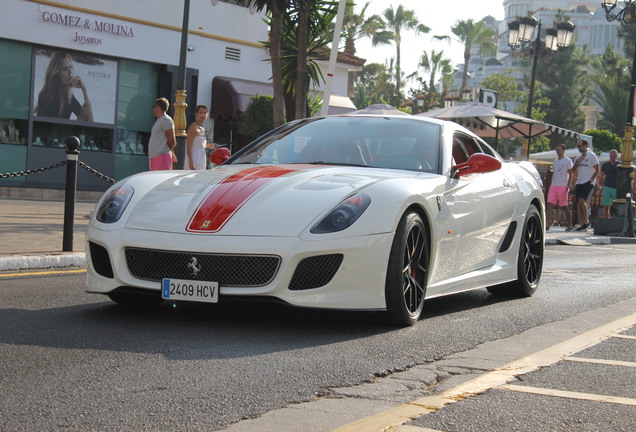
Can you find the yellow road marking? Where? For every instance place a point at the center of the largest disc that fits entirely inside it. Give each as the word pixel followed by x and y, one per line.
pixel 569 394
pixel 391 419
pixel 622 336
pixel 601 361
pixel 53 272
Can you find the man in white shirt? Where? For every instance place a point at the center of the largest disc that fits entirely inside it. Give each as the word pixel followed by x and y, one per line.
pixel 586 170
pixel 558 193
pixel 162 138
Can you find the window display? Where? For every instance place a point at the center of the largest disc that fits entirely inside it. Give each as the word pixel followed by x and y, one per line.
pixel 13 131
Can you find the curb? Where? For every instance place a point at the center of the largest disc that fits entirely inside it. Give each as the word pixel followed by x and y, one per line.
pixel 26 262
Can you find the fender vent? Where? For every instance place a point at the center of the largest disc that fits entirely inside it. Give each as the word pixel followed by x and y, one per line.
pixel 510 234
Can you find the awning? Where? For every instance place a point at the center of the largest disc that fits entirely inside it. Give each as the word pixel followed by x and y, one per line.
pixel 486 121
pixel 340 105
pixel 231 97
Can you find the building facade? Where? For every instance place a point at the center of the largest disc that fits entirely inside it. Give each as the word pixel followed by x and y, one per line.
pixel 121 55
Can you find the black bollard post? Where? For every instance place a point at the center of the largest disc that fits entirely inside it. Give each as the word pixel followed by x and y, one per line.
pixel 629 216
pixel 72 156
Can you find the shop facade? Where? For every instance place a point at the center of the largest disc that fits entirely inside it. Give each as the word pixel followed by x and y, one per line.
pixel 118 56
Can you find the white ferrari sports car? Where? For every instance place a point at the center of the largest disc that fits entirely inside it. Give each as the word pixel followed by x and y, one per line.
pixel 353 212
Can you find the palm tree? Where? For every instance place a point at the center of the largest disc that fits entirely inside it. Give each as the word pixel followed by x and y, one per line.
pixel 306 31
pixel 276 10
pixel 357 26
pixel 433 64
pixel 611 78
pixel 398 20
pixel 473 34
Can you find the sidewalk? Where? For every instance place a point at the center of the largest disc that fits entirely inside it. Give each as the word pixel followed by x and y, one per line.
pixel 32 231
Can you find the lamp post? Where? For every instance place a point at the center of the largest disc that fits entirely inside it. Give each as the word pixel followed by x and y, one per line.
pixel 520 32
pixel 180 105
pixel 627 15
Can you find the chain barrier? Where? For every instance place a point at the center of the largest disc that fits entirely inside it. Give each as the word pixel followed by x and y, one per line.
pixel 96 173
pixel 33 171
pixel 57 165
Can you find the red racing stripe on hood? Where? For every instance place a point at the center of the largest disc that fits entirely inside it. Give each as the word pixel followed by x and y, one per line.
pixel 222 202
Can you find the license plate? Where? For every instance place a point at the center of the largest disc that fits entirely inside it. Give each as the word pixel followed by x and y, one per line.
pixel 189 290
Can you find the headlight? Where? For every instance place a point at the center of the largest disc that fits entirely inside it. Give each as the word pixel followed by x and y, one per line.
pixel 343 215
pixel 115 203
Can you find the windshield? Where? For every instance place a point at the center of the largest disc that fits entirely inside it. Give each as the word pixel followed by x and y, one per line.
pixel 399 143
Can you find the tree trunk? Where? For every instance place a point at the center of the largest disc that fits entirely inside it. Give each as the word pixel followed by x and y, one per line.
pixel 276 56
pixel 302 41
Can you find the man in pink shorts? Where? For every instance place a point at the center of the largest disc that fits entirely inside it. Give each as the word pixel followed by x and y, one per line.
pixel 162 138
pixel 558 193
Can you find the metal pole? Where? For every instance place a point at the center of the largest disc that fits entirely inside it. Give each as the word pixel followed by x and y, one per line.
pixel 332 58
pixel 72 155
pixel 180 105
pixel 625 174
pixel 533 78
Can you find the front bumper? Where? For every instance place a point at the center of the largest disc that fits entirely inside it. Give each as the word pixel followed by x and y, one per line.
pixel 358 284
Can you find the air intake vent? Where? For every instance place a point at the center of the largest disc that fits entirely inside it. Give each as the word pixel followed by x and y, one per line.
pixel 316 271
pixel 232 54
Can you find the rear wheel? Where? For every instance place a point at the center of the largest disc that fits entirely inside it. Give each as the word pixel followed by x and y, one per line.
pixel 407 272
pixel 529 260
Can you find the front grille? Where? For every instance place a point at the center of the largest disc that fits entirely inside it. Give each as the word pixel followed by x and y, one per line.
pixel 316 271
pixel 227 270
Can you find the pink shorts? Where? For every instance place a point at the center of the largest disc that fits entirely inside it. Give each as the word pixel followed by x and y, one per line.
pixel 161 162
pixel 558 195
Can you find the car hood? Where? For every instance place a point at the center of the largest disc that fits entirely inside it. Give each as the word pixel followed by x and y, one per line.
pixel 266 200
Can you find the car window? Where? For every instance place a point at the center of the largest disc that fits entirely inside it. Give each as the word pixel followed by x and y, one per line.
pixel 387 142
pixel 463 147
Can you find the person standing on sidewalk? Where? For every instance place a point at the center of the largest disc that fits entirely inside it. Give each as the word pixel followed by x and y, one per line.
pixel 607 181
pixel 162 138
pixel 562 176
pixel 586 170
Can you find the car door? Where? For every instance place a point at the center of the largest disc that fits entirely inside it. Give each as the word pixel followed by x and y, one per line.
pixel 483 204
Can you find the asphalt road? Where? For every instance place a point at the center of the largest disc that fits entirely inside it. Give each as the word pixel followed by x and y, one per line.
pixel 75 361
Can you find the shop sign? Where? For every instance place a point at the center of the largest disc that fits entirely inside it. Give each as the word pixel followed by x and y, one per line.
pixel 82 24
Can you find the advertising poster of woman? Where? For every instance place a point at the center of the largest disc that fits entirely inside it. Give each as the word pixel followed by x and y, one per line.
pixel 74 86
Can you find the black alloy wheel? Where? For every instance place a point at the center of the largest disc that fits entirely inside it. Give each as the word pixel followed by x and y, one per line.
pixel 407 272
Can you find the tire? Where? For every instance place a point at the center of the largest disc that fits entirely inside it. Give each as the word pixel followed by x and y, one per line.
pixel 529 260
pixel 407 272
pixel 135 300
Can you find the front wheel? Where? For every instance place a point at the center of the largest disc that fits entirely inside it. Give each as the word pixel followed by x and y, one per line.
pixel 407 272
pixel 529 260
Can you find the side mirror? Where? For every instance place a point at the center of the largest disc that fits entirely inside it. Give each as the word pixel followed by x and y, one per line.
pixel 477 163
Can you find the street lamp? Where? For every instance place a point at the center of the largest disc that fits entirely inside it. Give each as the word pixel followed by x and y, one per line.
pixel 626 14
pixel 520 32
pixel 419 102
pixel 180 105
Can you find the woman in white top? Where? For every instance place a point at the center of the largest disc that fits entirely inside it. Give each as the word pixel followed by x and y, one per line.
pixel 197 142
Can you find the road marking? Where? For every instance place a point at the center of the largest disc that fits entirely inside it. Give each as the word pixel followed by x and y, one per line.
pixel 393 418
pixel 569 394
pixel 622 336
pixel 601 361
pixel 54 272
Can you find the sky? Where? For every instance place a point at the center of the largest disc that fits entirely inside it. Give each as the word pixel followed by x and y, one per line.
pixel 428 12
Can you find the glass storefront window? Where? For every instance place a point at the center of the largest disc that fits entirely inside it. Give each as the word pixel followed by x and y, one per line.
pixel 55 135
pixel 15 81
pixel 138 83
